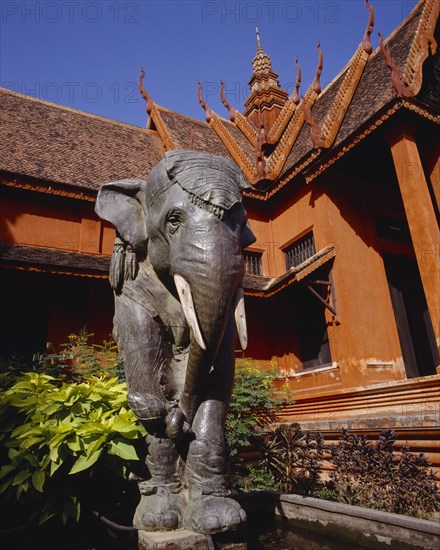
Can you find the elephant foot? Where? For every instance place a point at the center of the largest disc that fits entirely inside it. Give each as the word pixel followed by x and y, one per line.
pixel 210 514
pixel 161 511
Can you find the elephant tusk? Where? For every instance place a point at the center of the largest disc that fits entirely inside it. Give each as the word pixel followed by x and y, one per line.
pixel 185 296
pixel 240 317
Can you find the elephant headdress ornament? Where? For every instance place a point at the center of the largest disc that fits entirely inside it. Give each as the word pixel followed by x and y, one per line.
pixel 176 270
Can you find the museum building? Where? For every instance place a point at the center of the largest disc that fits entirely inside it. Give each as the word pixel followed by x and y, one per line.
pixel 343 282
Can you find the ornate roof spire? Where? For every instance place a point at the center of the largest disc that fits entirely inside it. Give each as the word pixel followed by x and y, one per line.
pixel 267 98
pixel 232 113
pixel 257 32
pixel 155 121
pixel 261 63
pixel 396 77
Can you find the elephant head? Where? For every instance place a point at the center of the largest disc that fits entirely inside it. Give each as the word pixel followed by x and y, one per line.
pixel 188 222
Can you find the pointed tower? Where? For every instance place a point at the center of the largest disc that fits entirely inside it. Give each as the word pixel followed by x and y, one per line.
pixel 267 98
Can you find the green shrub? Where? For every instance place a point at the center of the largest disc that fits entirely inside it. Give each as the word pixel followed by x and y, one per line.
pixel 79 358
pixel 254 478
pixel 254 406
pixel 61 440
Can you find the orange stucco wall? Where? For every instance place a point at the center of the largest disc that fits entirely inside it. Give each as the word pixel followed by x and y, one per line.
pixel 39 219
pixel 363 334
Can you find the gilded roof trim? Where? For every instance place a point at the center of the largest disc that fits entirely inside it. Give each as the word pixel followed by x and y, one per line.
pixel 281 121
pixel 234 149
pixel 277 159
pixel 239 120
pixel 287 111
pixel 247 129
pixel 336 114
pixel 347 146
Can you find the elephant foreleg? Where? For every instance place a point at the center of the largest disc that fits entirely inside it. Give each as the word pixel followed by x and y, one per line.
pixel 209 509
pixel 162 503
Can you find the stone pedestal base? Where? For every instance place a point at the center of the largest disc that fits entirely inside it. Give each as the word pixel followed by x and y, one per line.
pixel 182 540
pixel 172 540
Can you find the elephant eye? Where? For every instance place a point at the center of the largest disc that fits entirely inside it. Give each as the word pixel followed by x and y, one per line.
pixel 174 221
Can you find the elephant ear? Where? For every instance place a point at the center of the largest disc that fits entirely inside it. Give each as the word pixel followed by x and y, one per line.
pixel 119 203
pixel 215 180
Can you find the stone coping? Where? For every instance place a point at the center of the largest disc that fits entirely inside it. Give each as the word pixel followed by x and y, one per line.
pixel 362 526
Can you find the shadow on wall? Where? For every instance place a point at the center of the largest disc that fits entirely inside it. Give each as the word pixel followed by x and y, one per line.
pixel 38 308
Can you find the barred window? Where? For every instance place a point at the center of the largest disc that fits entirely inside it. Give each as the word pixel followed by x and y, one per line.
pixel 252 262
pixel 300 251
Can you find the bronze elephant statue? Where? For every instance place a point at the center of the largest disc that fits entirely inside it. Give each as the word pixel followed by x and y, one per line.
pixel 176 271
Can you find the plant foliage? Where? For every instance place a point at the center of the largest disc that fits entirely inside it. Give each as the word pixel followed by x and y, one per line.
pixel 293 458
pixel 254 405
pixel 377 476
pixel 79 358
pixel 58 437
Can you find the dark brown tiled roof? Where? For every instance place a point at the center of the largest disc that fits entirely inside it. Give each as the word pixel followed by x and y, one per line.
pixel 181 128
pixel 303 143
pixel 184 129
pixel 52 260
pixel 59 144
pixel 257 285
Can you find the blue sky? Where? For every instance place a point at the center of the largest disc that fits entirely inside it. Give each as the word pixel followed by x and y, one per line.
pixel 87 54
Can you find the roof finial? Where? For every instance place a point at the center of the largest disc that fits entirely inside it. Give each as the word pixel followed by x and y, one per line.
pixel 144 94
pixel 203 103
pixel 226 102
pixel 366 42
pixel 259 48
pixel 295 95
pixel 316 83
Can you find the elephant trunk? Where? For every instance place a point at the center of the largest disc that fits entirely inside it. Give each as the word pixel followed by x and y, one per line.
pixel 207 304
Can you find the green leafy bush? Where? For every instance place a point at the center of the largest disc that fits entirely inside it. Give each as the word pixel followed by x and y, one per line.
pixel 79 358
pixel 254 406
pixel 61 441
